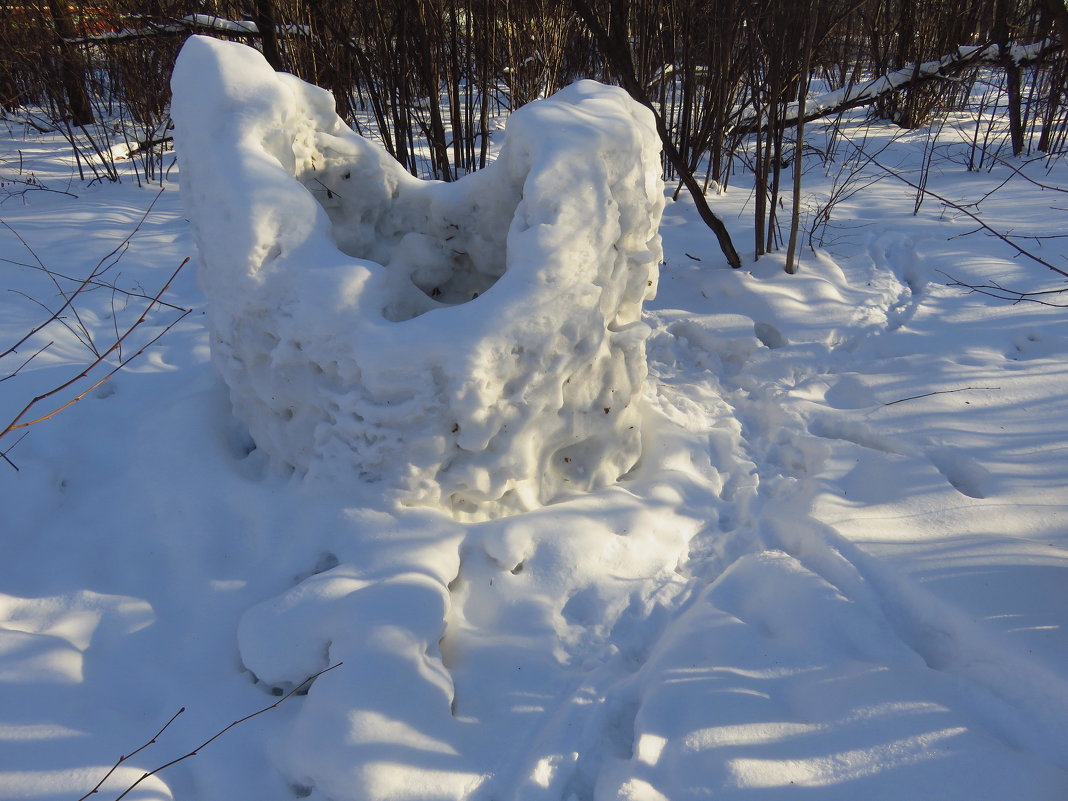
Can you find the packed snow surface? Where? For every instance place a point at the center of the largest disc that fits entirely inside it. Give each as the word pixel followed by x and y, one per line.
pixel 837 570
pixel 475 345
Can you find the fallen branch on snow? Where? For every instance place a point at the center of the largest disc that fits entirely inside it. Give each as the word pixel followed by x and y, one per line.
pixel 939 392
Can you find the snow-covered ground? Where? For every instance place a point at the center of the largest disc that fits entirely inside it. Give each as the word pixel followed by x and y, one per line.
pixel 838 571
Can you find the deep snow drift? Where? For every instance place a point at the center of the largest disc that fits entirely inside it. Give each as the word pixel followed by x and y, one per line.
pixel 837 570
pixel 475 345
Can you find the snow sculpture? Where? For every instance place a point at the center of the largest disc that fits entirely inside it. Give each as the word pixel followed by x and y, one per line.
pixel 472 345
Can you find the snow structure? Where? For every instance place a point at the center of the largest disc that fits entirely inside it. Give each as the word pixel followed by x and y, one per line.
pixel 474 345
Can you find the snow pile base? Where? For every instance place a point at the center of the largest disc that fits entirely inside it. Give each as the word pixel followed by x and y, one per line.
pixel 472 345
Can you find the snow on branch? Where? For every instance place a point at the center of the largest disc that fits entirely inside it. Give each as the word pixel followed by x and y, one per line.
pixel 198 23
pixel 868 92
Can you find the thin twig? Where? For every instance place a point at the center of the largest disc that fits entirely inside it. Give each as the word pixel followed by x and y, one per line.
pixel 996 290
pixel 126 241
pixel 95 273
pixel 27 186
pixel 53 317
pixel 41 350
pixel 68 300
pixel 223 731
pixel 115 322
pixel 94 283
pixel 1026 177
pixel 5 453
pixel 82 286
pixel 124 757
pixel 950 204
pixel 939 392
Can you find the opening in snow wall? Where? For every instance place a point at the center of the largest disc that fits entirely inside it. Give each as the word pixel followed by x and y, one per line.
pixel 474 345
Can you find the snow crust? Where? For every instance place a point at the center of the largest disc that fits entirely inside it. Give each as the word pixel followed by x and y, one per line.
pixel 475 346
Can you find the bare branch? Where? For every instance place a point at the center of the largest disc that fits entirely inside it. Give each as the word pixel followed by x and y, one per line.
pixel 958 207
pixel 616 50
pixel 30 184
pixel 4 453
pixel 1028 178
pixel 94 283
pixel 223 731
pixel 123 758
pixel 996 290
pixel 18 422
pixel 94 274
pixel 37 353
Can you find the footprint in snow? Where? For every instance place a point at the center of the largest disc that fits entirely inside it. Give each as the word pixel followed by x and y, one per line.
pixel 1033 345
pixel 769 336
pixel 106 390
pixel 966 475
pixel 896 253
pixel 849 392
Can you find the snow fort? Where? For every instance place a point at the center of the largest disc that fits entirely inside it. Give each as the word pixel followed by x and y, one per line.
pixel 475 345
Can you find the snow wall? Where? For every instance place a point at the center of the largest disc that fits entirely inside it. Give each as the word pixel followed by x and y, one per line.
pixel 476 345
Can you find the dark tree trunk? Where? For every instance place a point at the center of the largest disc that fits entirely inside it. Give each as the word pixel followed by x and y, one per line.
pixel 1003 37
pixel 1058 12
pixel 266 21
pixel 71 70
pixel 618 55
pixel 9 93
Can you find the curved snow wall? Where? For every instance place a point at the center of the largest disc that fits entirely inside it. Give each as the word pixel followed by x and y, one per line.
pixel 473 345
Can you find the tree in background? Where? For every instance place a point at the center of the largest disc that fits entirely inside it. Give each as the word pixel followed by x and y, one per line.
pixel 725 78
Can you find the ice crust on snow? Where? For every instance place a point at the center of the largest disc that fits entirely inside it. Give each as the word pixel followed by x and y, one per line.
pixel 474 345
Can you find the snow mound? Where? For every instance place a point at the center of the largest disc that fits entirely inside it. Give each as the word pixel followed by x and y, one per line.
pixel 476 345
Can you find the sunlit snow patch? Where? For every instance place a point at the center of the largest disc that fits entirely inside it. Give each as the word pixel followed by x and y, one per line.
pixel 472 345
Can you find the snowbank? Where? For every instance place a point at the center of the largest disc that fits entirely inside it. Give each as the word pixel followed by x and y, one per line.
pixel 475 345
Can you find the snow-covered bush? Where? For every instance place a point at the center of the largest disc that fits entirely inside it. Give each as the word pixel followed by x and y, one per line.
pixel 474 345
